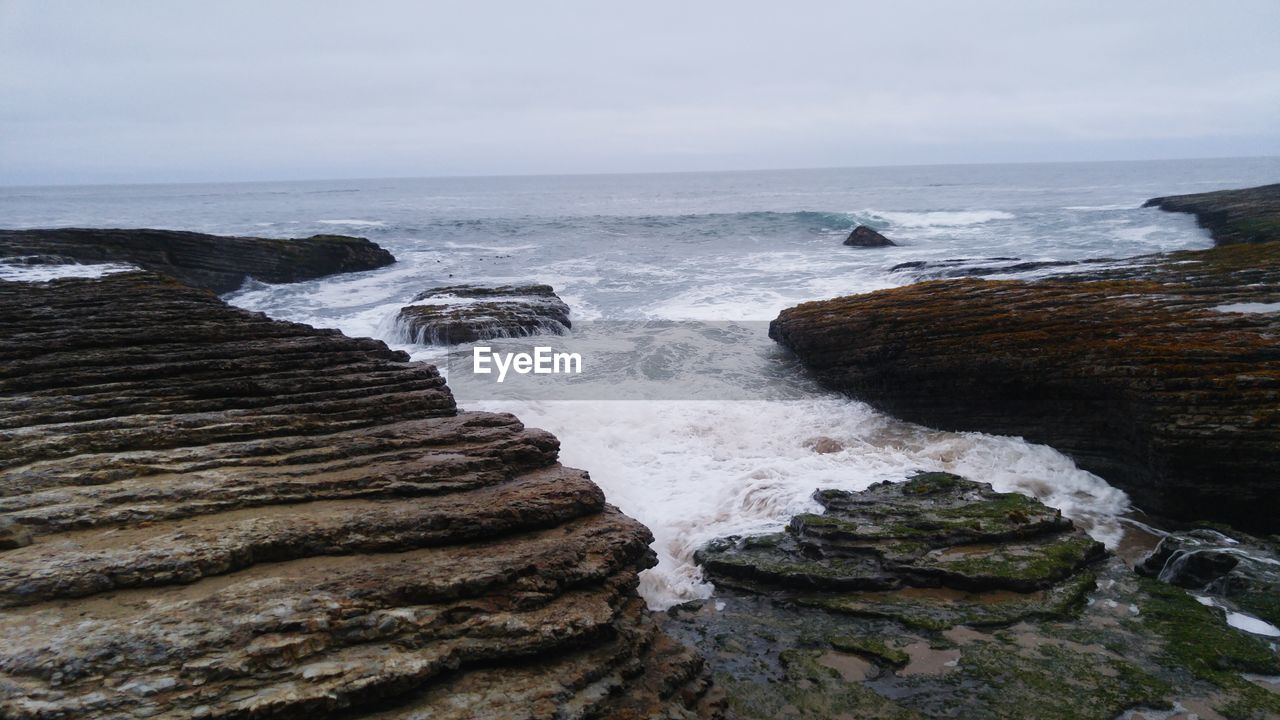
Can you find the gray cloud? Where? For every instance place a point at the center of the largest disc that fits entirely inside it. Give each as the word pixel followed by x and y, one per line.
pixel 155 91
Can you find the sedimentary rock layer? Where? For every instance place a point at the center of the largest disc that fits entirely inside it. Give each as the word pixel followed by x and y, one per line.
pixel 207 513
pixel 939 598
pixel 219 263
pixel 467 313
pixel 1251 215
pixel 1159 376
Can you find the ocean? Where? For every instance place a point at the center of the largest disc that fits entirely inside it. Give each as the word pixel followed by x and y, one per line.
pixel 720 250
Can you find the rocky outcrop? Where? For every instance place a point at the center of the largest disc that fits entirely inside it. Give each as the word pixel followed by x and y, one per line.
pixel 863 236
pixel 207 513
pixel 994 557
pixel 1251 215
pixel 218 263
pixel 1154 375
pixel 938 598
pixel 467 313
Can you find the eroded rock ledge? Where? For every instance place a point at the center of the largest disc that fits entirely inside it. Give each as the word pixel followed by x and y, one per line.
pixel 1251 215
pixel 216 262
pixel 212 514
pixel 1150 375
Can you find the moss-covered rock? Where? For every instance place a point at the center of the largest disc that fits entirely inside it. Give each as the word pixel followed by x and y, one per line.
pixel 1083 636
pixel 934 530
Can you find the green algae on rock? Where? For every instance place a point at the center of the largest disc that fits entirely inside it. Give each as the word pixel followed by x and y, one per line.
pixel 936 530
pixel 1083 637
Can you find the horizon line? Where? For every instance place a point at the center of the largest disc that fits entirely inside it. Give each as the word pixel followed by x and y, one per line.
pixel 7 186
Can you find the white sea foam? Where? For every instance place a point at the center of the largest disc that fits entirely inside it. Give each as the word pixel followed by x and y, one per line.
pixel 490 248
pixel 44 273
pixel 939 218
pixel 1241 621
pixel 696 470
pixel 354 222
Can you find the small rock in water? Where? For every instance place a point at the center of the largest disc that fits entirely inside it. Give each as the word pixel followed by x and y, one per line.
pixel 467 313
pixel 863 236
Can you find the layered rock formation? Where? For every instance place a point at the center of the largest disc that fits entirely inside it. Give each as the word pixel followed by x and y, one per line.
pixel 207 513
pixel 1251 215
pixel 1158 376
pixel 467 313
pixel 218 263
pixel 1005 556
pixel 863 236
pixel 938 598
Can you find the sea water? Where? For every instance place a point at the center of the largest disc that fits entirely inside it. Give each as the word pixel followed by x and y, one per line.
pixel 735 453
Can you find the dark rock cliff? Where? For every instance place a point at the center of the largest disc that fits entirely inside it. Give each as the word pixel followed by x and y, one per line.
pixel 207 513
pixel 1153 376
pixel 1251 215
pixel 218 263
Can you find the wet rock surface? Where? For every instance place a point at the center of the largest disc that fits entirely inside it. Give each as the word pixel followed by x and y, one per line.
pixel 1239 571
pixel 1148 374
pixel 1251 215
pixel 898 605
pixel 207 513
pixel 467 313
pixel 863 236
pixel 215 262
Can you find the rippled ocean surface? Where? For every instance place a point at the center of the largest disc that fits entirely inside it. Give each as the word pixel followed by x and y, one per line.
pixel 733 247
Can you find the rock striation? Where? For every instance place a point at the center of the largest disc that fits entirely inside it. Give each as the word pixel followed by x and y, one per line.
pixel 467 313
pixel 1161 376
pixel 205 513
pixel 215 262
pixel 863 236
pixel 939 598
pixel 1251 215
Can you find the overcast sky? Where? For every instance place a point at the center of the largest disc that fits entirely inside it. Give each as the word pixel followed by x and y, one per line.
pixel 126 91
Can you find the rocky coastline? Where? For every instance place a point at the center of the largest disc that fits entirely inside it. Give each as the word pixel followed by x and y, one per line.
pixel 208 513
pixel 938 598
pixel 1161 374
pixel 215 262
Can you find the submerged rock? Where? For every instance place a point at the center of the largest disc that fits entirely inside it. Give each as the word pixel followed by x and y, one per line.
pixel 939 598
pixel 218 263
pixel 1136 372
pixel 467 313
pixel 863 236
pixel 221 515
pixel 1251 215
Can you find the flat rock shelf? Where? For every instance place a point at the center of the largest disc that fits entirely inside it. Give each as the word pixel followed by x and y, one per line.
pixel 207 513
pixel 216 262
